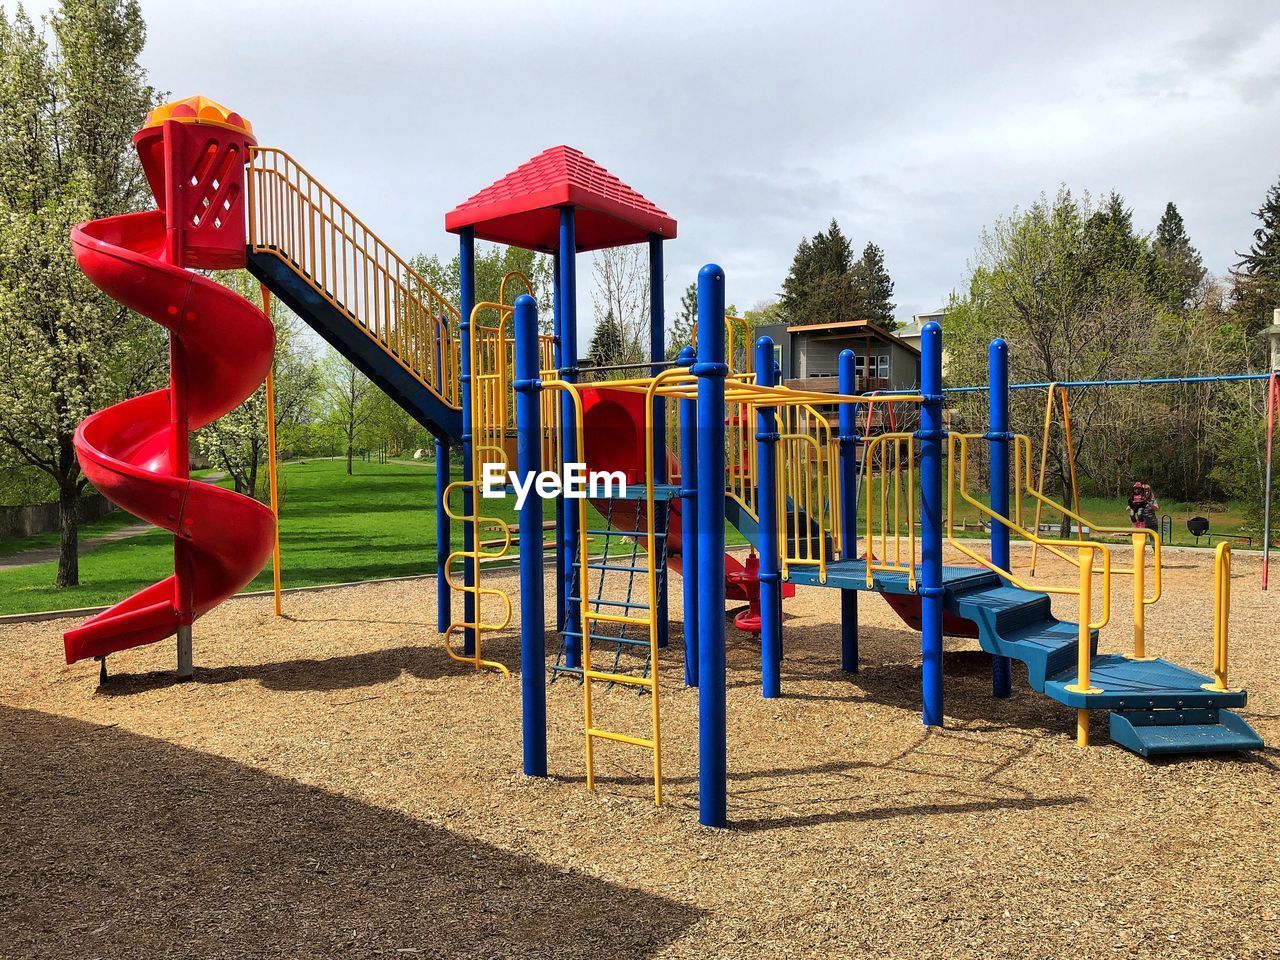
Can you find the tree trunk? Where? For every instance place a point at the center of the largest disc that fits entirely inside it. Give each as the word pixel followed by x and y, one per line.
pixel 69 539
pixel 351 452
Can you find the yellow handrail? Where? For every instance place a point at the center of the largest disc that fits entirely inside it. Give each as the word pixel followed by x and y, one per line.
pixel 295 219
pixel 890 447
pixel 957 482
pixel 1138 536
pixel 1221 614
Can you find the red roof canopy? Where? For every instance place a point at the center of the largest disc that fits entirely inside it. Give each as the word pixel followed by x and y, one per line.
pixel 522 209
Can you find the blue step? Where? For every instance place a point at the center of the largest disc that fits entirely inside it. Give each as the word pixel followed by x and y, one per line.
pixel 1153 733
pixel 1140 685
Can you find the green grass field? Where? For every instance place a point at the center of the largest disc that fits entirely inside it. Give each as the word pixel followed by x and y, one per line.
pixel 335 528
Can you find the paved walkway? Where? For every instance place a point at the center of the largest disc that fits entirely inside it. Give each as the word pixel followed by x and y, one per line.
pixel 29 558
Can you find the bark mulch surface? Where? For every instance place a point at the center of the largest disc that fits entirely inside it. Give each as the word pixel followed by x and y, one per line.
pixel 331 784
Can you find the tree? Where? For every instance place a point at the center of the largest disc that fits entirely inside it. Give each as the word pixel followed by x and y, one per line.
pixel 492 263
pixel 1256 278
pixel 237 442
pixel 1183 270
pixel 347 395
pixel 622 294
pixel 67 111
pixel 875 287
pixel 608 345
pixel 681 329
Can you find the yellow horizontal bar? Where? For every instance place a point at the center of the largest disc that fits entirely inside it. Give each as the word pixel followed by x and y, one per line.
pixel 624 678
pixel 619 737
pixel 616 618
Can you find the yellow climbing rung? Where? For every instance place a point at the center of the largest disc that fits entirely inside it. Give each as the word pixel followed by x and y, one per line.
pixel 620 738
pixel 616 618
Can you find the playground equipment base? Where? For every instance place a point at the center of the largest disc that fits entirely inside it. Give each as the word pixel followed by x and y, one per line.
pixel 1159 708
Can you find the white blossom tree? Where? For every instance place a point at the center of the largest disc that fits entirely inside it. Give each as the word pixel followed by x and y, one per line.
pixel 71 95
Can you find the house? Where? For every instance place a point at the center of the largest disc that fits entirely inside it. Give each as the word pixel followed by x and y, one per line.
pixel 910 333
pixel 808 355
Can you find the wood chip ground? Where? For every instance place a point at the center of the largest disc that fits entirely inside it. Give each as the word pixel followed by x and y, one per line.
pixel 331 784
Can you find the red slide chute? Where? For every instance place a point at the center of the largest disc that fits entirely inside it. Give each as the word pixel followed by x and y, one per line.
pixel 135 452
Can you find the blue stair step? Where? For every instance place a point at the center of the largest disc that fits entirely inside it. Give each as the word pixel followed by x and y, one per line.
pixel 1153 733
pixel 1140 685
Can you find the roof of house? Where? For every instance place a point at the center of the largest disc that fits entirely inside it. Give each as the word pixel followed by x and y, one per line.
pixel 522 209
pixel 865 328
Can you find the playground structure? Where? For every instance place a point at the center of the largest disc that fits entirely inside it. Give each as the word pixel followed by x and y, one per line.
pixel 709 440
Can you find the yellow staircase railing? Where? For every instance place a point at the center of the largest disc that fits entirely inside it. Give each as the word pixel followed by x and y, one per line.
pixel 294 218
pixel 889 464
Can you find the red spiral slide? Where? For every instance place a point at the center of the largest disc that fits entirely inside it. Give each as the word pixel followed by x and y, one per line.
pixel 135 452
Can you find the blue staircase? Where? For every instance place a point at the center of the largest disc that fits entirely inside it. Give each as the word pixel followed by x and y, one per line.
pixel 342 330
pixel 1158 708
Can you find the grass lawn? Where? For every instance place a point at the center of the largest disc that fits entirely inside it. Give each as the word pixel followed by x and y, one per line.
pixel 334 528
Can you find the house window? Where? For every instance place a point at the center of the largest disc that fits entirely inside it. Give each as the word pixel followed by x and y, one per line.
pixel 860 367
pixel 882 362
pixel 777 359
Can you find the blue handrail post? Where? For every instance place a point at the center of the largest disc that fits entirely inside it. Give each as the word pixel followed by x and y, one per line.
pixel 848 509
pixel 557 306
pixel 444 597
pixel 711 372
pixel 931 589
pixel 688 410
pixel 657 353
pixel 568 532
pixel 998 440
pixel 533 688
pixel 767 501
pixel 467 303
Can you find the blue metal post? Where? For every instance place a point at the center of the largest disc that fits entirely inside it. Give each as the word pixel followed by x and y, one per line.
pixel 568 531
pixel 444 597
pixel 931 590
pixel 711 372
pixel 467 303
pixel 767 498
pixel 657 353
pixel 557 306
pixel 998 440
pixel 533 687
pixel 849 509
pixel 689 524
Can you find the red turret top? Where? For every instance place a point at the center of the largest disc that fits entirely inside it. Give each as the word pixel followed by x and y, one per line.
pixel 521 209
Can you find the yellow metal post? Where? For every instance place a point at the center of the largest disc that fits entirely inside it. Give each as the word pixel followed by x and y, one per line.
pixel 1139 596
pixel 271 458
pixel 1221 615
pixel 1083 643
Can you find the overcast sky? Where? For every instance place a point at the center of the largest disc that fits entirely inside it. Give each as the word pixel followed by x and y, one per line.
pixel 753 124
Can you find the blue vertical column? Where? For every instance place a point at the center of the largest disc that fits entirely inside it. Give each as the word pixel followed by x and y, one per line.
pixel 767 499
pixel 467 303
pixel 568 532
pixel 533 686
pixel 998 440
pixel 444 598
pixel 931 590
pixel 657 353
pixel 557 306
pixel 688 412
pixel 712 722
pixel 849 509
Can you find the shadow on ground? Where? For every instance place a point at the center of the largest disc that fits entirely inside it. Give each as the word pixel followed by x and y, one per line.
pixel 118 845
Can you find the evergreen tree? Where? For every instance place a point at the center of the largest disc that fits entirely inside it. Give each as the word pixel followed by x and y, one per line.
pixel 67 113
pixel 1256 279
pixel 821 287
pixel 681 329
pixel 608 345
pixel 875 287
pixel 1182 269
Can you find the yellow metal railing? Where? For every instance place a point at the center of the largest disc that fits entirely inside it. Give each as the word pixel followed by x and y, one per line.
pixel 883 461
pixel 492 416
pixel 957 485
pixel 1221 614
pixel 808 488
pixel 294 218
